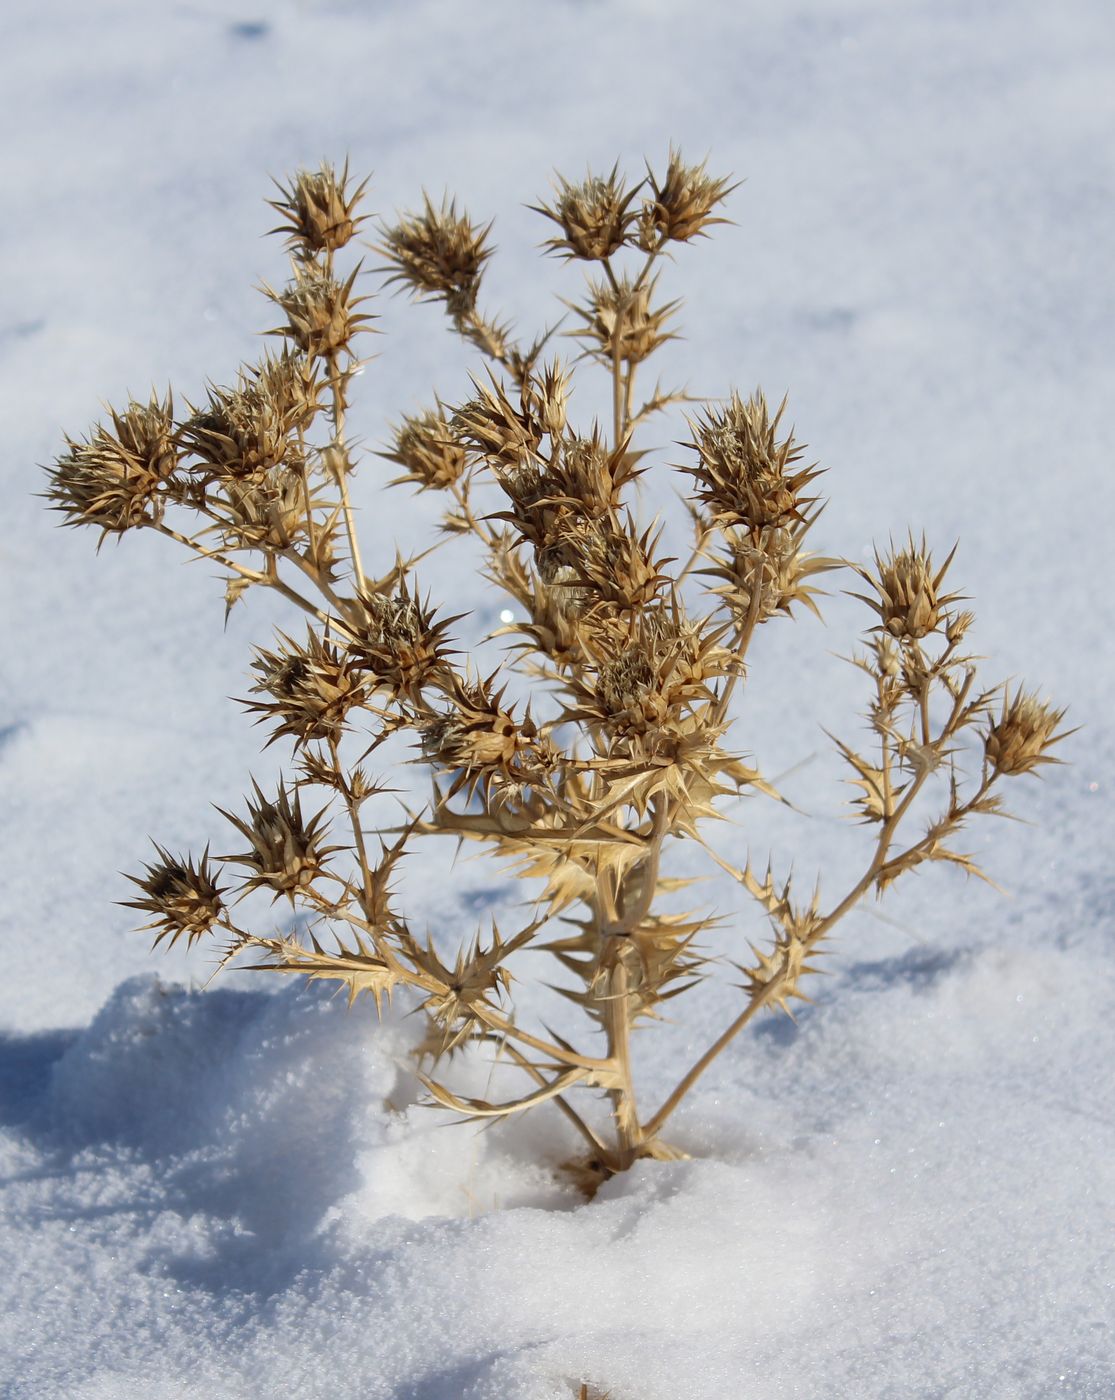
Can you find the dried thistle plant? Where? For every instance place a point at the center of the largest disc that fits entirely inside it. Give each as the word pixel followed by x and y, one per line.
pixel 631 659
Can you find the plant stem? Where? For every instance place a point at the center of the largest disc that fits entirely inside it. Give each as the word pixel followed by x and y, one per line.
pixel 562 1103
pixel 473 327
pixel 821 928
pixel 719 708
pixel 617 381
pixel 616 920
pixel 270 580
pixel 342 607
pixel 357 831
pixel 483 532
pixel 687 1081
pixel 339 462
pixel 617 1024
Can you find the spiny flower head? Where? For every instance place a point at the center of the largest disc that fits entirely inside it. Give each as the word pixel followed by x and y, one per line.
pixel 290 383
pixel 553 623
pixel 776 564
pixel 427 449
pixel 285 851
pixel 181 893
pixel 311 685
pixel 120 475
pixel 572 494
pixel 550 389
pixel 267 513
pixel 680 207
pixel 399 642
pixel 498 431
pixel 322 315
pixel 627 690
pixel 487 747
pixel 538 509
pixel 438 253
pixel 908 597
pixel 588 476
pixel 245 432
pixel 595 216
pixel 1020 739
pixel 318 209
pixel 644 687
pixel 620 322
pixel 606 561
pixel 745 476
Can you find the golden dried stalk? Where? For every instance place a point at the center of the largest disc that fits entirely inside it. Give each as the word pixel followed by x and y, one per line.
pixel 630 658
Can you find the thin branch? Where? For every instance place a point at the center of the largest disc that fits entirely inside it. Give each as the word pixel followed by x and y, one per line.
pixel 562 1103
pixel 340 465
pixel 252 575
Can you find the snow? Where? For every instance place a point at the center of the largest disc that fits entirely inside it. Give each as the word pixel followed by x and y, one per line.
pixel 235 1191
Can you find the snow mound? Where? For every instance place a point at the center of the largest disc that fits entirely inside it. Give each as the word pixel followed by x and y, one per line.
pixel 248 1178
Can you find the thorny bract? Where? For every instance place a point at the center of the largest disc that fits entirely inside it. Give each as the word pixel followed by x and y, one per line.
pixel 630 649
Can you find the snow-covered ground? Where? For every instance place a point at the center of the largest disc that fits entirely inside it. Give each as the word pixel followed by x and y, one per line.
pixel 233 1192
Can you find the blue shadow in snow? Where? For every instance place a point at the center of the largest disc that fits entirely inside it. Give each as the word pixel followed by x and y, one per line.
pixel 26 1062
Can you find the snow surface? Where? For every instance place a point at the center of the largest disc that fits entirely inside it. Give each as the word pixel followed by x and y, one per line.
pixel 234 1192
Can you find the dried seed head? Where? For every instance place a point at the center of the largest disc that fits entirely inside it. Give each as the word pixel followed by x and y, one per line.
pixel 285 854
pixel 471 740
pixel 620 321
pixel 312 687
pixel 182 895
pixel 588 478
pixel 399 642
pixel 644 692
pixel 595 216
pixel 540 514
pixel 959 625
pixel 290 384
pixel 427 449
pixel 121 475
pixel 612 562
pixel 319 210
pixel 1019 740
pixel 561 506
pixel 680 208
pixel 552 392
pixel 776 564
pixel 486 747
pixel 908 598
pixel 627 692
pixel 497 431
pixel 438 253
pixel 269 514
pixel 558 616
pixel 554 622
pixel 745 476
pixel 246 433
pixel 322 315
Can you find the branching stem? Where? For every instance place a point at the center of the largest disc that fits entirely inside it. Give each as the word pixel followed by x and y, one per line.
pixel 251 575
pixel 819 930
